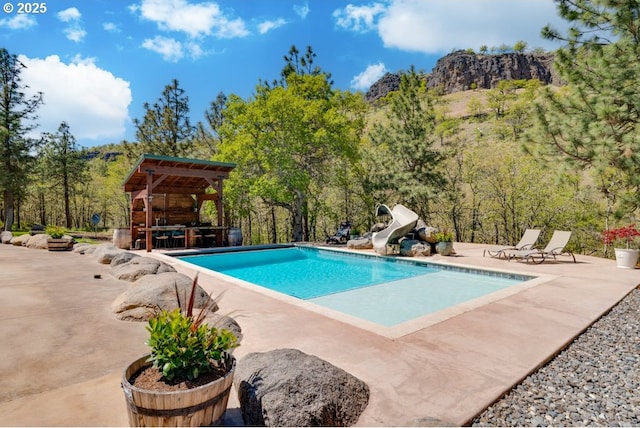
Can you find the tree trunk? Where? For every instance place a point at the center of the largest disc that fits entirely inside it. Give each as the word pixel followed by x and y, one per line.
pixel 297 217
pixel 8 209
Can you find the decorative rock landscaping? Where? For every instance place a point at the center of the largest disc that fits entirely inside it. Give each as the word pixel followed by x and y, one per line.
pixel 152 293
pixel 287 387
pixel 593 382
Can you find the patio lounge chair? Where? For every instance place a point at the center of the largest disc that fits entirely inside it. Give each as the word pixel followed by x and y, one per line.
pixel 555 247
pixel 342 235
pixel 528 240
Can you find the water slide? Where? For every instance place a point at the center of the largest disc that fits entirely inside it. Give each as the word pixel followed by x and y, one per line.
pixel 404 220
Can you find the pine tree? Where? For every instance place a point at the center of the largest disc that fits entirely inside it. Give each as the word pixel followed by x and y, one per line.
pixel 594 122
pixel 166 128
pixel 17 118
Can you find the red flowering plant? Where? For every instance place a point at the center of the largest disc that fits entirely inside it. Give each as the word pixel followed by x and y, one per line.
pixel 627 234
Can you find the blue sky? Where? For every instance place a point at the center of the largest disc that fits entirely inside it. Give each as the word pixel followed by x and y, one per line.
pixel 98 61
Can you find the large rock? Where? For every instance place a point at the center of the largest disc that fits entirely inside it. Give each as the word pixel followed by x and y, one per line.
pixel 5 237
pixel 123 257
pixel 153 293
pixel 224 322
pixel 360 244
pixel 83 247
pixel 21 240
pixel 413 248
pixel 138 267
pixel 424 232
pixel 106 252
pixel 287 387
pixel 38 242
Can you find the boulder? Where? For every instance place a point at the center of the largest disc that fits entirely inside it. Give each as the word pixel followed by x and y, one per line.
pixel 413 248
pixel 38 242
pixel 140 266
pixel 224 322
pixel 424 232
pixel 286 387
pixel 82 247
pixel 378 227
pixel 152 293
pixel 106 252
pixel 21 240
pixel 360 244
pixel 5 237
pixel 123 257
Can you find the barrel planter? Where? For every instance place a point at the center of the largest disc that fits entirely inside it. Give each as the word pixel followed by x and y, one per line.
pixel 234 236
pixel 201 406
pixel 59 244
pixel 122 238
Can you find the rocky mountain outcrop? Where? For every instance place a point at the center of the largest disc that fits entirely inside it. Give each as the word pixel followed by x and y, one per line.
pixel 461 71
pixel 388 83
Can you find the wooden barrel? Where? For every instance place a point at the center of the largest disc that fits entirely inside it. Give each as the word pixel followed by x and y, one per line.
pixel 201 406
pixel 59 244
pixel 122 238
pixel 234 236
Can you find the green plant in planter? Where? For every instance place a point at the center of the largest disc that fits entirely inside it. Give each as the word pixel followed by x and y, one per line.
pixel 443 236
pixel 183 346
pixel 56 232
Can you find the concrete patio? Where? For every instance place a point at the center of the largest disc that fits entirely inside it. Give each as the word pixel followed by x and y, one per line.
pixel 63 351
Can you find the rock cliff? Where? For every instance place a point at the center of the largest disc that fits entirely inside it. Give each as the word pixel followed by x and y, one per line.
pixel 460 71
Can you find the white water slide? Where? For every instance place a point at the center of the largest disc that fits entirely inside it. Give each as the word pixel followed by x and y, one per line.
pixel 404 220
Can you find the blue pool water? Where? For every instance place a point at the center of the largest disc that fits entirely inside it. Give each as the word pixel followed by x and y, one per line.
pixel 383 291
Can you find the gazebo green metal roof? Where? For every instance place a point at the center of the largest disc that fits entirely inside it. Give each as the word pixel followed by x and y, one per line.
pixel 176 175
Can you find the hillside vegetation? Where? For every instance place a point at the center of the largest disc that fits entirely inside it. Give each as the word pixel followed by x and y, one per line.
pixel 485 164
pixel 492 192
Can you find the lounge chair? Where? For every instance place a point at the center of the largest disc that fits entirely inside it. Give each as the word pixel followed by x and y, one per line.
pixel 555 247
pixel 528 240
pixel 342 235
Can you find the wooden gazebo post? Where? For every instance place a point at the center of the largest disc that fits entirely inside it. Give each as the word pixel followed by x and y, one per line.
pixel 148 236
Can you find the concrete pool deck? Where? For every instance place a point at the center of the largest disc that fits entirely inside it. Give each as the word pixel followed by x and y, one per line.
pixel 63 351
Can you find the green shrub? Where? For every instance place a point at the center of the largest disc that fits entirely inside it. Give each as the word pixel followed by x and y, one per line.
pixel 56 232
pixel 183 346
pixel 443 236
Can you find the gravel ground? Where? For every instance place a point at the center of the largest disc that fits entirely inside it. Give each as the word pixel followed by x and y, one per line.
pixel 595 381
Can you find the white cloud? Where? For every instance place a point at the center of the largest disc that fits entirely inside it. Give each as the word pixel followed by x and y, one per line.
pixel 440 26
pixel 75 31
pixel 267 26
pixel 358 18
pixel 111 27
pixel 91 100
pixel 302 10
pixel 69 15
pixel 368 77
pixel 18 22
pixel 75 34
pixel 170 49
pixel 201 19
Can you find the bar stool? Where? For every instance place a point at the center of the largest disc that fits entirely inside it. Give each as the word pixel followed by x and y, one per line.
pixel 177 239
pixel 198 237
pixel 162 241
pixel 210 240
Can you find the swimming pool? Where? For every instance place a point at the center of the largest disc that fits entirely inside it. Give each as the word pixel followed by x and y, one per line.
pixel 385 291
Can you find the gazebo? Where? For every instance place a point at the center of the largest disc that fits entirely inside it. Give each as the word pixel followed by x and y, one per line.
pixel 171 191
